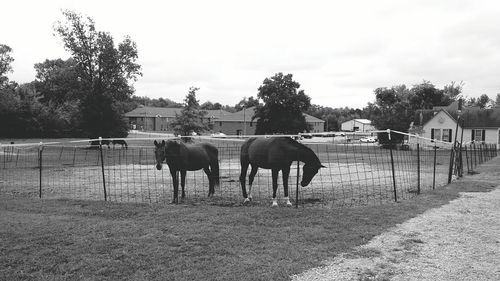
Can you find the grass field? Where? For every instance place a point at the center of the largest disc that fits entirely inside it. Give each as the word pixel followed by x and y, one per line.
pixel 47 239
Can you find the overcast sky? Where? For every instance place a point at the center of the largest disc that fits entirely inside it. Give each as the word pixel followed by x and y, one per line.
pixel 339 51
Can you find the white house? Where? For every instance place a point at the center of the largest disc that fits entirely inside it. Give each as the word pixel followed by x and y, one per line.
pixel 478 125
pixel 357 125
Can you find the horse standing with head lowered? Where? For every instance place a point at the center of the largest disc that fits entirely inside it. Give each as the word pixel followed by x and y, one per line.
pixel 188 157
pixel 277 154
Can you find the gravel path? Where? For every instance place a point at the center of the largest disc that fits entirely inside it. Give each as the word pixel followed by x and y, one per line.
pixel 458 241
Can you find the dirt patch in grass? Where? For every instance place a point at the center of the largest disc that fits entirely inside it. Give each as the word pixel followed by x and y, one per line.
pixel 74 240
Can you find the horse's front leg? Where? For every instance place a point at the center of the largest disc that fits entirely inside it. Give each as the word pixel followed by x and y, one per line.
pixel 183 183
pixel 285 173
pixel 175 182
pixel 251 177
pixel 275 186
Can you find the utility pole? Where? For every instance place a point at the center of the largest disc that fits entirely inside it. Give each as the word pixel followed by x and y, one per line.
pixel 244 120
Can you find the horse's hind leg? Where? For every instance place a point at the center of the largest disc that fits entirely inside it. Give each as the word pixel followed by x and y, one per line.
pixel 275 186
pixel 250 180
pixel 183 183
pixel 285 173
pixel 211 183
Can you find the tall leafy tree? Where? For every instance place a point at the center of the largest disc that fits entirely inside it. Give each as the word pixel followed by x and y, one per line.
pixel 246 103
pixel 57 81
pixel 192 116
pixel 208 105
pixel 482 101
pixel 106 72
pixel 283 108
pixel 426 96
pixel 395 107
pixel 5 62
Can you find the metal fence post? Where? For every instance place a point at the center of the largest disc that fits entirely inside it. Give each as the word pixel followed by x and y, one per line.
pixel 467 159
pixel 450 167
pixel 475 157
pixel 4 155
pixel 297 185
pixel 102 170
pixel 480 154
pixel 392 166
pixel 418 168
pixel 40 149
pixel 434 173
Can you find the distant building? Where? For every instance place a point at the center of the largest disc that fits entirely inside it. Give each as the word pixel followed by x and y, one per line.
pixel 357 125
pixel 159 118
pixel 238 123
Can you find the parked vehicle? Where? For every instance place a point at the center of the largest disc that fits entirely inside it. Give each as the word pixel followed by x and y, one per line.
pixel 368 139
pixel 218 135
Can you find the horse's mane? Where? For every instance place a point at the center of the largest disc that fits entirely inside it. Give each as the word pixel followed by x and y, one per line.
pixel 302 146
pixel 295 143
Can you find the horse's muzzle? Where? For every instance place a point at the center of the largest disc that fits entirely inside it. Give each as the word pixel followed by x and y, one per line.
pixel 158 166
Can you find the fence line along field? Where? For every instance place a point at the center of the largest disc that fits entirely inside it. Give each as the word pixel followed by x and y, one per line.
pixel 355 174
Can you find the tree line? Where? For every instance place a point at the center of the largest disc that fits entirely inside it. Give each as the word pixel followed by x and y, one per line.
pixel 87 94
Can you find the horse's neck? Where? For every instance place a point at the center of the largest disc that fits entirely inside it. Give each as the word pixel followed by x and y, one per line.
pixel 306 155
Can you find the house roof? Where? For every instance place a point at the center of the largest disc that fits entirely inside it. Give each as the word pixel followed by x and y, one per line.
pixel 248 113
pixel 472 117
pixel 148 111
pixel 362 121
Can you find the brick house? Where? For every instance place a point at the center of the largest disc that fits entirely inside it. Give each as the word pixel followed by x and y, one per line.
pixel 238 123
pixel 159 118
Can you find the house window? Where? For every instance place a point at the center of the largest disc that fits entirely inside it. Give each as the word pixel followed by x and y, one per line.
pixel 478 135
pixel 447 135
pixel 436 134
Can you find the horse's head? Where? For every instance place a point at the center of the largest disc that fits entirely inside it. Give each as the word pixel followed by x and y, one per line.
pixel 159 153
pixel 309 171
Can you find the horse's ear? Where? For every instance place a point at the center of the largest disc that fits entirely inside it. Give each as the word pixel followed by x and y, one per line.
pixel 322 166
pixel 156 143
pixel 163 142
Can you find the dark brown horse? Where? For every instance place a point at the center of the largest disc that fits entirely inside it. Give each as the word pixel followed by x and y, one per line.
pixel 276 153
pixel 188 157
pixel 123 143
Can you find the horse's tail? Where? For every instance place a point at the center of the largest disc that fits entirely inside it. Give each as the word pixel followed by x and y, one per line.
pixel 215 167
pixel 215 171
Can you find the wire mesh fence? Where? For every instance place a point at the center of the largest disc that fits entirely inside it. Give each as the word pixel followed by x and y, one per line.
pixel 355 173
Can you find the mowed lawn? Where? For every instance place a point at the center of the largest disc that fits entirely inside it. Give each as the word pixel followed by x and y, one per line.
pixel 85 240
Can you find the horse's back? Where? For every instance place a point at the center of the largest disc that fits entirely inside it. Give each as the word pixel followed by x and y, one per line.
pixel 200 155
pixel 268 152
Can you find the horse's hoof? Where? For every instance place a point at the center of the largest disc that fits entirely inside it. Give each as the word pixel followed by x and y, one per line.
pixel 289 204
pixel 274 205
pixel 247 201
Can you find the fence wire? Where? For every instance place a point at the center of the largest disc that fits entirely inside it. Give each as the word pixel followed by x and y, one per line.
pixel 355 174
